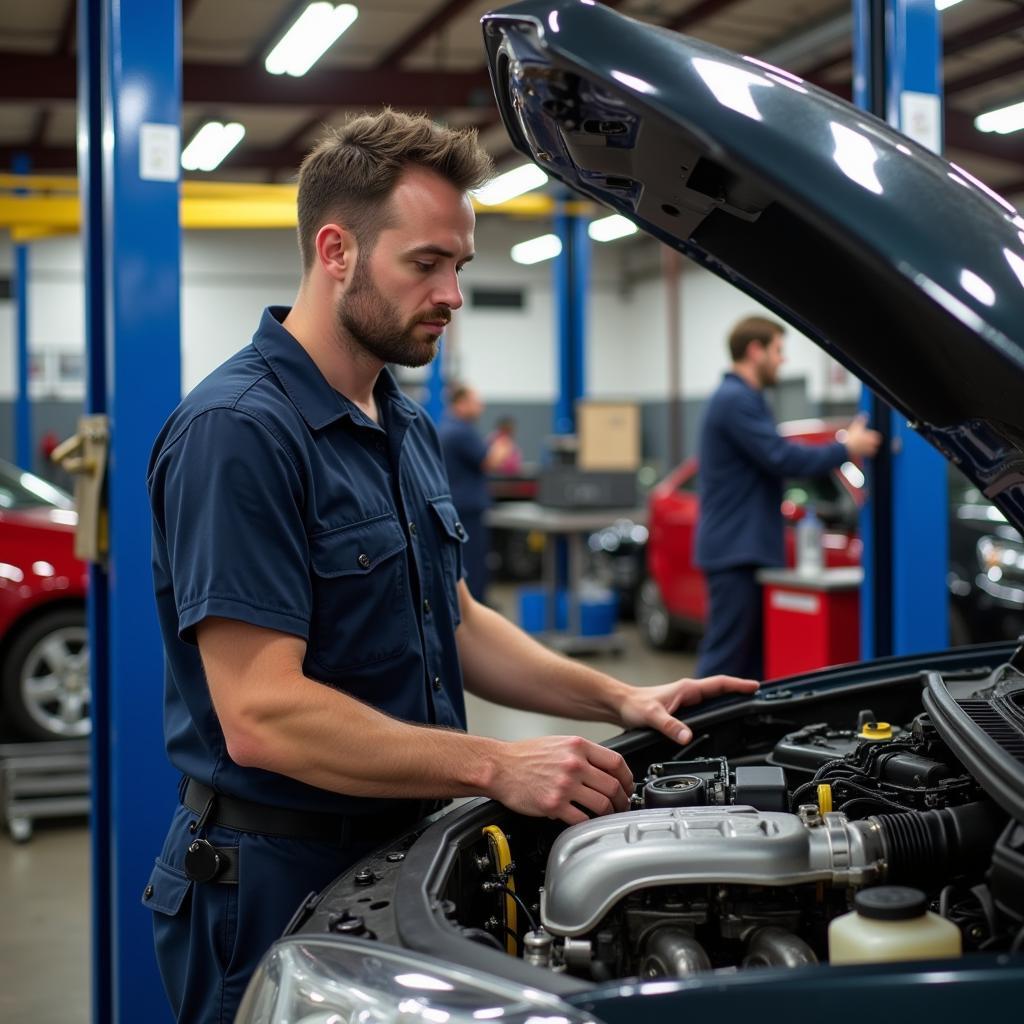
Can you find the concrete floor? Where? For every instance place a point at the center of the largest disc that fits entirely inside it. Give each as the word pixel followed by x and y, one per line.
pixel 44 883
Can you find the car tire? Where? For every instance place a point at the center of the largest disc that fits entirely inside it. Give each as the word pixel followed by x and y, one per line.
pixel 654 620
pixel 45 677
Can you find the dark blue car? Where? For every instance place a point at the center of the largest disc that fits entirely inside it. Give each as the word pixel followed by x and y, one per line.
pixel 895 787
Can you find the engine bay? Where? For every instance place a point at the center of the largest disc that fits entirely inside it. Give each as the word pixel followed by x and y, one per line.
pixel 740 850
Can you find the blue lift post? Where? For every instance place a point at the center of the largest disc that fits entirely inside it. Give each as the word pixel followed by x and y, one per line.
pixel 129 112
pixel 435 403
pixel 571 270
pixel 22 405
pixel 905 525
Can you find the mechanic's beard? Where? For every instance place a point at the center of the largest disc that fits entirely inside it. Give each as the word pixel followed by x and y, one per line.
pixel 375 325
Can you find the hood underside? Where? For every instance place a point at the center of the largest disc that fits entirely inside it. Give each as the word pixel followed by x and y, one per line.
pixel 901 265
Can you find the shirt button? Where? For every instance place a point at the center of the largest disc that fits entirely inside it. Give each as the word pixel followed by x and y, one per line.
pixel 459 529
pixel 437 684
pixel 426 605
pixel 364 561
pixel 148 893
pixel 412 529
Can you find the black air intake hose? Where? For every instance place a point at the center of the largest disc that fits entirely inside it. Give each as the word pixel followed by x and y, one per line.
pixel 927 848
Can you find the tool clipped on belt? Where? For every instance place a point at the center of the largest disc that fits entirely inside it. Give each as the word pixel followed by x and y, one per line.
pixel 205 862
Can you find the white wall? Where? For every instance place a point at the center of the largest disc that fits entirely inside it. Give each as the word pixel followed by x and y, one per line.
pixel 228 277
pixel 708 309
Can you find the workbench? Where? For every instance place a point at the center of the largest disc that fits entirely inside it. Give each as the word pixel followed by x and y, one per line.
pixel 565 529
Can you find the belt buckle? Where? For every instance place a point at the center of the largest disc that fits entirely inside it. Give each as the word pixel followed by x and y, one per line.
pixel 202 861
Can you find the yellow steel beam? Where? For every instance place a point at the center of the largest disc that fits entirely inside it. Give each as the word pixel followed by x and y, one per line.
pixel 34 205
pixel 32 234
pixel 197 214
pixel 31 211
pixel 38 182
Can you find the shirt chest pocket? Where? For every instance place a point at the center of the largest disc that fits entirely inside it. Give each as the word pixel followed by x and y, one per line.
pixel 451 536
pixel 360 594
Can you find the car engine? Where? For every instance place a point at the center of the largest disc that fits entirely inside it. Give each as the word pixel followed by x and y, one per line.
pixel 789 819
pixel 733 865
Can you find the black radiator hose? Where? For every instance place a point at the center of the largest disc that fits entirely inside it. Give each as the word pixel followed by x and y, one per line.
pixel 927 848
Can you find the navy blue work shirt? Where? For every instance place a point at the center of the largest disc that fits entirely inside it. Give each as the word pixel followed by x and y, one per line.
pixel 743 463
pixel 464 453
pixel 277 502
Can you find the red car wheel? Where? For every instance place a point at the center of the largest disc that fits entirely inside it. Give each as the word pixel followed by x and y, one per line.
pixel 46 677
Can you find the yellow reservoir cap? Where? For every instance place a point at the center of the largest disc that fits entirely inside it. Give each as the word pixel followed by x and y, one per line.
pixel 824 798
pixel 876 731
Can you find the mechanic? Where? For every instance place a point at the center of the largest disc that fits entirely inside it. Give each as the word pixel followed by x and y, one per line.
pixel 308 562
pixel 743 462
pixel 469 460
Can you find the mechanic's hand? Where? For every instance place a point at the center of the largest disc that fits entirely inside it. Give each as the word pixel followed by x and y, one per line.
pixel 546 776
pixel 654 706
pixel 860 440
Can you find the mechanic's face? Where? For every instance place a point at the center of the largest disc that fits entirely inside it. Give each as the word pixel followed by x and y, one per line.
pixel 403 292
pixel 771 359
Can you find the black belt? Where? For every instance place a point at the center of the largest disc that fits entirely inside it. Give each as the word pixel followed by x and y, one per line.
pixel 265 819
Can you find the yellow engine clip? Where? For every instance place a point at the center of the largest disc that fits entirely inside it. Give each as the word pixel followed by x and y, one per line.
pixel 501 858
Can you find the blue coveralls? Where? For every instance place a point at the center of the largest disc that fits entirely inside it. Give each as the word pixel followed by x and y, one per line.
pixel 277 502
pixel 464 453
pixel 743 463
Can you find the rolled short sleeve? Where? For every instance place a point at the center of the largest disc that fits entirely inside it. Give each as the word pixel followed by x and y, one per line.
pixel 228 498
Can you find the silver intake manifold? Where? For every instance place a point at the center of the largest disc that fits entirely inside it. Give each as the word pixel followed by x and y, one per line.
pixel 592 866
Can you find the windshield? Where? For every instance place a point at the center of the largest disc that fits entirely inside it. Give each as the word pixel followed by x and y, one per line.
pixel 21 490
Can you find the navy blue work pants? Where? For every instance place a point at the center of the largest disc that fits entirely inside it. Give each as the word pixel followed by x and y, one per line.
pixel 734 638
pixel 210 936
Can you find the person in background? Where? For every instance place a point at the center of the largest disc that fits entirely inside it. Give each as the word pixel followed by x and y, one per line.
pixel 505 432
pixel 743 462
pixel 470 459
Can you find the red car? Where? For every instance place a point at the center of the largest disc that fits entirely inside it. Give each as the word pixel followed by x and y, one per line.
pixel 672 600
pixel 44 642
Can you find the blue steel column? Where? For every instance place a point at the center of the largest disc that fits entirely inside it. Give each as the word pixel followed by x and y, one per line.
pixel 130 58
pixel 22 403
pixel 904 603
pixel 571 272
pixel 90 185
pixel 434 403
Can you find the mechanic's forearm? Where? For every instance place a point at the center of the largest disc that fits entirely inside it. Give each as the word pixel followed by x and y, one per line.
pixel 503 664
pixel 317 735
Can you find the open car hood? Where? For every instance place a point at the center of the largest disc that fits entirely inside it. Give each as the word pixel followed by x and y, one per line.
pixel 898 263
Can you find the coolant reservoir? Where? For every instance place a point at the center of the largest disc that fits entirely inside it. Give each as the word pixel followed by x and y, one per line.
pixel 891 922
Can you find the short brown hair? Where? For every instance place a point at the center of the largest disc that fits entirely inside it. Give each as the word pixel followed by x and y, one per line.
pixel 753 328
pixel 352 170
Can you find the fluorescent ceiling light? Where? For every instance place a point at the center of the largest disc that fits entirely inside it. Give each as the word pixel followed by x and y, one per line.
pixel 608 228
pixel 210 145
pixel 315 29
pixel 544 247
pixel 1001 121
pixel 510 184
pixel 941 5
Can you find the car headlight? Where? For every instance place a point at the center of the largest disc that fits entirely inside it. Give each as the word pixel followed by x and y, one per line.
pixel 1001 559
pixel 348 981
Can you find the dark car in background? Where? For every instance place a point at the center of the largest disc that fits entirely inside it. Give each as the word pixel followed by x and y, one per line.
pixel 44 641
pixel 896 785
pixel 986 568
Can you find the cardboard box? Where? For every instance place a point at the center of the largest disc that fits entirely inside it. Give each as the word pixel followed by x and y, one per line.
pixel 609 436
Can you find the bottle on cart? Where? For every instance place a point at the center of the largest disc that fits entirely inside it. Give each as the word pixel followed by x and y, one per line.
pixel 810 554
